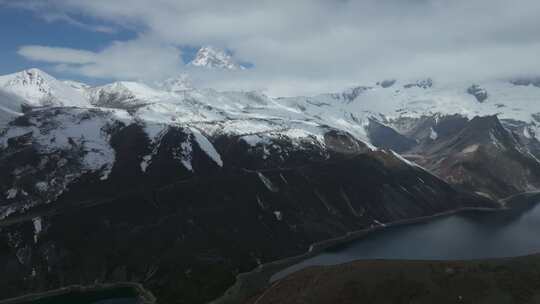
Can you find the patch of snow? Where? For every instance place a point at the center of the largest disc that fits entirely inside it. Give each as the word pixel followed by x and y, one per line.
pixel 11 193
pixel 267 182
pixel 207 146
pixel 145 162
pixel 37 227
pixel 483 194
pixel 403 159
pixel 433 135
pixel 470 149
pixel 42 186
pixel 278 215
pixel 6 211
pixel 256 139
pixel 185 155
pixel 526 132
pixel 154 132
pixel 379 223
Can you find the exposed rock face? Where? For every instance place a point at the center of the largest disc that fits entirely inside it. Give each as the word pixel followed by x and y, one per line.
pixel 351 94
pixel 480 94
pixel 387 83
pixel 534 81
pixel 484 157
pixel 386 137
pixel 480 155
pixel 423 84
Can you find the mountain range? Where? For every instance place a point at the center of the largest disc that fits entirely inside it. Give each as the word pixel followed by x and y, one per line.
pixel 181 188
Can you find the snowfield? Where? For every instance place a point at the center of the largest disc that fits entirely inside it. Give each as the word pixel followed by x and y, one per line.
pixel 174 102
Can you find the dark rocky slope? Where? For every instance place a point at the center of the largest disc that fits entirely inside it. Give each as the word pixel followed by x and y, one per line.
pixel 185 234
pixel 480 155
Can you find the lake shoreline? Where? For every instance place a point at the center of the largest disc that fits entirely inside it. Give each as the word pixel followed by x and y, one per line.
pixel 247 284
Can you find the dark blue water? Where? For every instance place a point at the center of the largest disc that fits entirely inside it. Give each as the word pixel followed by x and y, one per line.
pixel 471 235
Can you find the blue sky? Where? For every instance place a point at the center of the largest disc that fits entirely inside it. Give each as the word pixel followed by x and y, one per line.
pixel 22 27
pixel 19 27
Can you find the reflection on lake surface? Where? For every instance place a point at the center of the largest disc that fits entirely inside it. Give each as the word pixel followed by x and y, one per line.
pixel 469 235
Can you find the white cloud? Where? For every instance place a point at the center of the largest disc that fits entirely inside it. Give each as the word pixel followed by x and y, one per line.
pixel 62 17
pixel 47 12
pixel 138 59
pixel 307 46
pixel 56 54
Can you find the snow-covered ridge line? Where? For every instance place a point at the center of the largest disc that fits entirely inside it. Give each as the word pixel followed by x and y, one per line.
pixel 174 101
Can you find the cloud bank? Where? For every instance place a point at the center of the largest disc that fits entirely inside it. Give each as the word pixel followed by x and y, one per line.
pixel 306 46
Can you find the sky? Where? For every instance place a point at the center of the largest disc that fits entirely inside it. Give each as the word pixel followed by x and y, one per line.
pixel 296 47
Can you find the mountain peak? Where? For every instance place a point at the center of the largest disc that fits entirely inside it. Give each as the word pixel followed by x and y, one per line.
pixel 210 57
pixel 27 77
pixel 39 88
pixel 35 71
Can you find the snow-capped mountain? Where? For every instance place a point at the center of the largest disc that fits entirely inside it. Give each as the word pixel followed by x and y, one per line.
pixel 274 129
pixel 38 88
pixel 124 95
pixel 257 118
pixel 175 100
pixel 355 106
pixel 212 58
